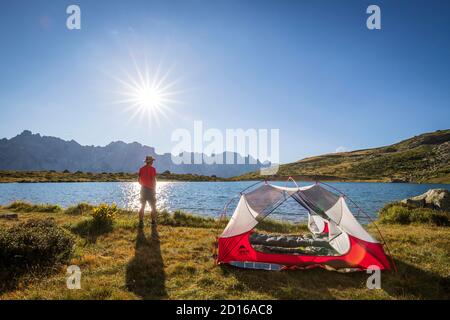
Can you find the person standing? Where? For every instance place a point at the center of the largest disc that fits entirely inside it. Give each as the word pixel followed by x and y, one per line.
pixel 147 180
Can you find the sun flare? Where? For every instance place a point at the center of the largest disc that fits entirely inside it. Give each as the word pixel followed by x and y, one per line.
pixel 148 95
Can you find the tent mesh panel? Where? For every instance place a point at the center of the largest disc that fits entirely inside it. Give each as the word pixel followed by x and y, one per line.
pixel 316 198
pixel 265 199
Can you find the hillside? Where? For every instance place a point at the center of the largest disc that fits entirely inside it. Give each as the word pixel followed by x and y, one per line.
pixel 33 152
pixel 423 158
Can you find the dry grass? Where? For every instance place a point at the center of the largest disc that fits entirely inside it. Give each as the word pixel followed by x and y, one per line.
pixel 128 263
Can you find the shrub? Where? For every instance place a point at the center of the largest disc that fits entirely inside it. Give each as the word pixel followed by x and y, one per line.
pixel 22 206
pixel 102 222
pixel 401 213
pixel 35 243
pixel 390 149
pixel 79 209
pixel 104 215
pixel 90 231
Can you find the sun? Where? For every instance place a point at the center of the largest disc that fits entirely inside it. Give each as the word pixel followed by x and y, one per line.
pixel 147 95
pixel 149 98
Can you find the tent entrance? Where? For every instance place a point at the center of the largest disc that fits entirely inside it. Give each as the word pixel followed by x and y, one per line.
pixel 289 211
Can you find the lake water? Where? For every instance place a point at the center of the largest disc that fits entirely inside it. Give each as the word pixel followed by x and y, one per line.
pixel 204 198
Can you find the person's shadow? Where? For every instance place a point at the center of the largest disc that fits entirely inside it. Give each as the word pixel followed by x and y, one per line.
pixel 145 274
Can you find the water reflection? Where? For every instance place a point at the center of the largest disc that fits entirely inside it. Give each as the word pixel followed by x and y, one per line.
pixel 130 195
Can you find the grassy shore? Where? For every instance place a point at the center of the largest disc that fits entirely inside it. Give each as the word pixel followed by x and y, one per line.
pixel 126 262
pixel 13 176
pixel 79 176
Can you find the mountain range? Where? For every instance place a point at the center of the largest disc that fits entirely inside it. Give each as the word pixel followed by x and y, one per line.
pixel 32 152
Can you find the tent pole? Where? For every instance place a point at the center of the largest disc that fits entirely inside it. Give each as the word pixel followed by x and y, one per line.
pixel 292 179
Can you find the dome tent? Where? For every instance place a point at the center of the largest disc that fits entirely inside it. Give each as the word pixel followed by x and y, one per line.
pixel 330 221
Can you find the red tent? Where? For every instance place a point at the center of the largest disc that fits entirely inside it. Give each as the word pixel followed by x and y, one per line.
pixel 348 246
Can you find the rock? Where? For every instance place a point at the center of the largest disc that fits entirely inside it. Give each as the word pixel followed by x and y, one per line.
pixel 9 216
pixel 438 199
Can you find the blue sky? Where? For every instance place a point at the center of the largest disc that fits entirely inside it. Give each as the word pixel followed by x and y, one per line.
pixel 310 68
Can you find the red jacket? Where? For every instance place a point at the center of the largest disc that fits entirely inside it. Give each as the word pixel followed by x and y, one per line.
pixel 147 176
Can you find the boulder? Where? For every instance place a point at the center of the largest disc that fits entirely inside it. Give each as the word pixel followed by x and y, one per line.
pixel 438 199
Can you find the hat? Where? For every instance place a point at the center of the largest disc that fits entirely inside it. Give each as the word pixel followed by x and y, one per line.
pixel 149 159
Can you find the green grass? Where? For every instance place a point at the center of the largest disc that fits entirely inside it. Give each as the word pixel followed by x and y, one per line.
pixel 80 209
pixel 23 206
pixel 126 262
pixel 400 213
